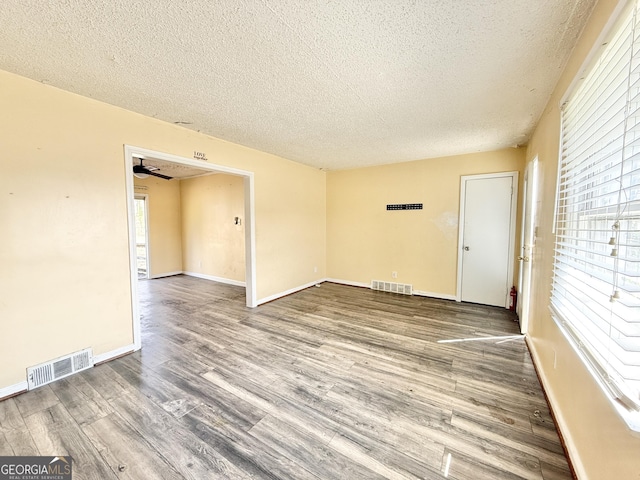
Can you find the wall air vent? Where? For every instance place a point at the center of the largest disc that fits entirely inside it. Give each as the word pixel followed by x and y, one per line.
pixel 405 206
pixel 59 368
pixel 402 288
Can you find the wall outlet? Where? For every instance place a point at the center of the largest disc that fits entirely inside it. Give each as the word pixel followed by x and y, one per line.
pixel 394 274
pixel 315 269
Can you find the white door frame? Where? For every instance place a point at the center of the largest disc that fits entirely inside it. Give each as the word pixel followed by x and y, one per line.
pixel 249 207
pixel 512 226
pixel 529 211
pixel 145 197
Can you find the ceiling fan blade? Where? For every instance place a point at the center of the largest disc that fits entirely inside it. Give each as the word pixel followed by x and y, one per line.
pixel 166 177
pixel 150 170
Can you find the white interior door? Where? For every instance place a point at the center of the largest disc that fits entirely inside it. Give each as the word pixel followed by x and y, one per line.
pixel 487 238
pixel 527 243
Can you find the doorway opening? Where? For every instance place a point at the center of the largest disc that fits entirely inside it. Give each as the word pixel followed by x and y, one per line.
pixel 142 236
pixel 132 156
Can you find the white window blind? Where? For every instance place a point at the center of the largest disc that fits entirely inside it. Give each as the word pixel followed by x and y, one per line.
pixel 596 283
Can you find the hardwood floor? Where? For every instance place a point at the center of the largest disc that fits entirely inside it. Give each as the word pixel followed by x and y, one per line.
pixel 333 382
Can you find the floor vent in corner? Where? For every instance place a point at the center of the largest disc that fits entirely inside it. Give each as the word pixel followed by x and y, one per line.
pixel 59 368
pixel 403 288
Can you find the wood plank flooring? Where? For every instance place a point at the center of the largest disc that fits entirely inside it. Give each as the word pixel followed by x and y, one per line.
pixel 333 382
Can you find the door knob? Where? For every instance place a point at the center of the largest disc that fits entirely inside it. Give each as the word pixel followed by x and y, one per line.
pixel 466 249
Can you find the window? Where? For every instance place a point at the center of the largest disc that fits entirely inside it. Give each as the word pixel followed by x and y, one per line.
pixel 595 295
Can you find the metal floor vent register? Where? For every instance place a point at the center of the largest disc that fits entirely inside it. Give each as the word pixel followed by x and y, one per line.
pixel 402 288
pixel 59 368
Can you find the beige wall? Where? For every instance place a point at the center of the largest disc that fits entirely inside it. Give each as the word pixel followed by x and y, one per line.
pixel 65 281
pixel 366 242
pixel 212 243
pixel 601 445
pixel 165 227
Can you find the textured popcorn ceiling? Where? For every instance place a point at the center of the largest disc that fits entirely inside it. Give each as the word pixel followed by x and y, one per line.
pixel 333 84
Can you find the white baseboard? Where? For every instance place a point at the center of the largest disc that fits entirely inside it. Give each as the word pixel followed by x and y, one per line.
pixel 13 389
pixel 442 296
pixel 561 424
pixel 167 274
pixel 348 282
pixel 275 296
pixel 104 357
pixel 228 281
